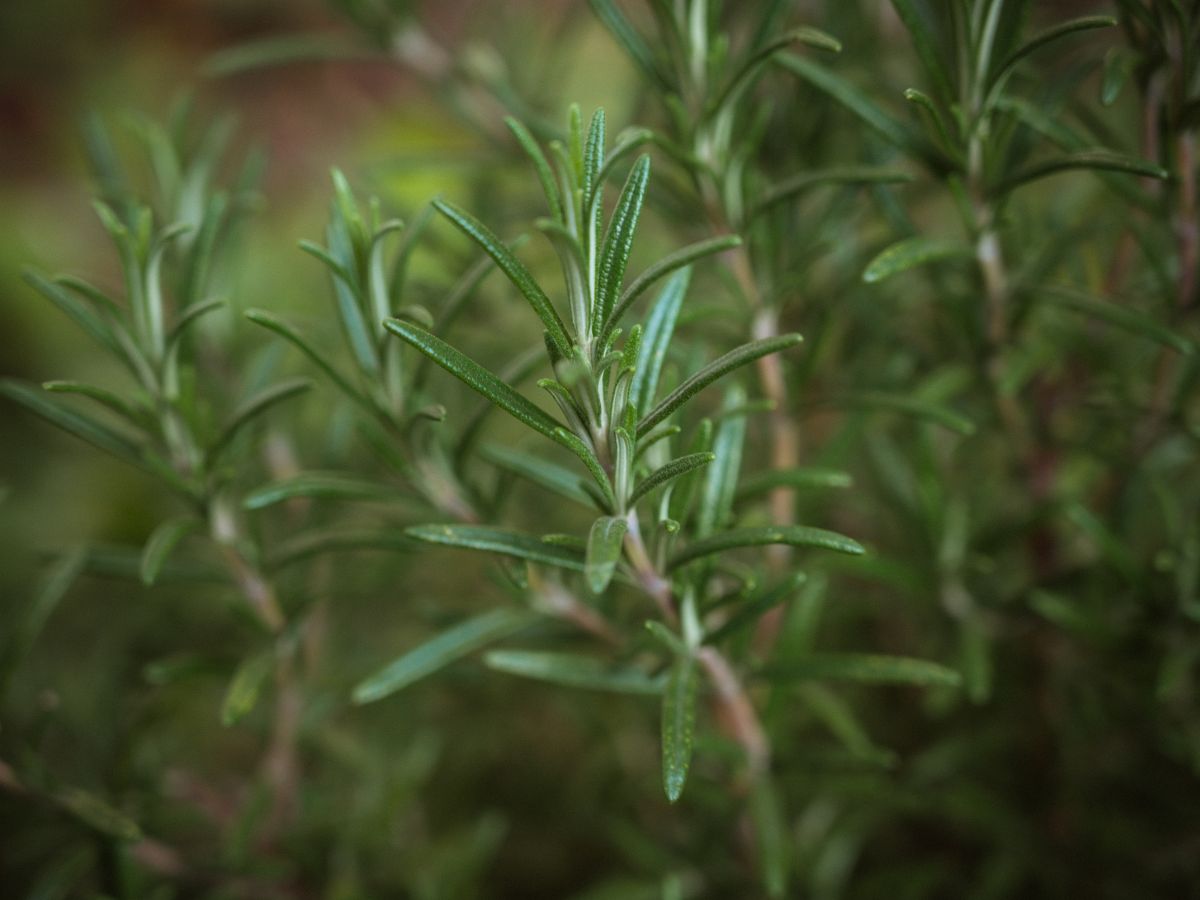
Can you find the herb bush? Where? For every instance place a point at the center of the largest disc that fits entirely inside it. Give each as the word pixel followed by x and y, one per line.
pixel 780 480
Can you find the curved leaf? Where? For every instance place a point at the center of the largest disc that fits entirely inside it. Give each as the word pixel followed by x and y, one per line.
pixel 865 667
pixel 161 543
pixel 793 535
pixel 747 353
pixel 669 472
pixel 799 478
pixel 475 376
pixel 603 551
pixel 573 670
pixel 910 252
pixel 1099 160
pixel 249 411
pixel 499 540
pixel 318 485
pixel 678 724
pixel 451 645
pixel 510 266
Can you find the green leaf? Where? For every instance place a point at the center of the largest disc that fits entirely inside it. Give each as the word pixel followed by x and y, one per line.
pixel 1050 35
pixel 246 687
pixel 747 353
pixel 678 724
pixel 78 424
pixel 159 545
pixel 664 267
pixel 540 165
pixel 1099 160
pixel 751 68
pixel 757 605
pixel 869 668
pixel 793 535
pixel 909 405
pixel 656 339
pixel 1121 316
pixel 584 452
pixel 669 472
pixel 313 543
pixel 910 252
pixel 626 35
pixel 252 409
pixel 105 398
pixel 669 639
pixel 270 322
pixel 475 377
pixel 319 485
pixel 799 478
pixel 772 835
pixel 280 51
pixel 98 814
pixel 83 316
pixel 512 267
pixel 720 479
pixel 498 540
pixel 856 101
pixel 549 475
pixel 619 241
pixel 603 551
pixel 450 646
pixel 925 42
pixel 23 630
pixel 814 178
pixel 573 670
pixel 593 159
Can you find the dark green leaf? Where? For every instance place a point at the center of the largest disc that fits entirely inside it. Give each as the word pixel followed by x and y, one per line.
pixel 246 687
pixel 450 646
pixel 720 479
pixel 619 241
pixel 869 668
pixel 319 485
pixel 540 165
pixel 84 427
pixel 475 377
pixel 573 670
pixel 910 252
pixel 498 540
pixel 1097 160
pixel 23 630
pixel 1121 316
pixel 855 100
pixel 551 476
pixel 678 724
pixel 268 321
pixel 747 353
pixel 512 267
pixel 925 42
pixel 664 267
pixel 751 68
pixel 252 409
pixel 660 328
pixel 614 20
pixel 280 51
pixel 813 178
pixel 314 543
pixel 793 535
pixel 161 543
pixel 603 551
pixel 98 814
pixel 670 471
pixel 104 397
pixel 911 406
pixel 799 478
pixel 1048 36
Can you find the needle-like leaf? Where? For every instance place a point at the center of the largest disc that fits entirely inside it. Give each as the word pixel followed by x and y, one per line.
pixel 603 551
pixel 743 355
pixel 501 541
pixel 793 535
pixel 678 724
pixel 512 267
pixel 573 670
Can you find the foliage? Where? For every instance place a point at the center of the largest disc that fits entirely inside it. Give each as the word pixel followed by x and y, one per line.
pixel 573 547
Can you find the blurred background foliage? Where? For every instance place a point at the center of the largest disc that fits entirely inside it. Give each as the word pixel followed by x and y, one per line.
pixel 1059 577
